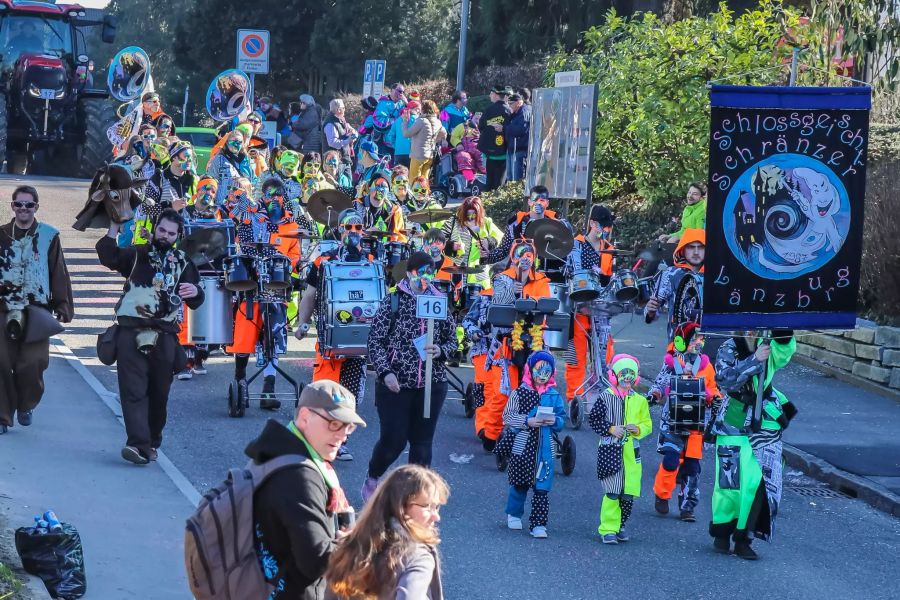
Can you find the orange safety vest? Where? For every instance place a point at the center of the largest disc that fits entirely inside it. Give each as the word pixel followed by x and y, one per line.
pixel 537 286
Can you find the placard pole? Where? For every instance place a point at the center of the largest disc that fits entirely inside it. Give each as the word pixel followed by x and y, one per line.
pixel 429 340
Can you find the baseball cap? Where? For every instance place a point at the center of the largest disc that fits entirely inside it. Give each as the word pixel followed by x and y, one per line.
pixel 369 147
pixel 149 97
pixel 336 400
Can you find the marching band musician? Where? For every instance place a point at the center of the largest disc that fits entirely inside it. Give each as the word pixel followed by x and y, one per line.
pixel 688 258
pixel 472 236
pixel 271 217
pixel 586 255
pixel 313 180
pixel 230 164
pixel 505 357
pixel 285 167
pixel 168 187
pixel 538 201
pixel 748 482
pixel 349 372
pixel 377 212
pixel 400 187
pixel 681 452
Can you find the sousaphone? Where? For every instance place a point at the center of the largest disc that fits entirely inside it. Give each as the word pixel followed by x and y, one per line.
pixel 228 95
pixel 128 77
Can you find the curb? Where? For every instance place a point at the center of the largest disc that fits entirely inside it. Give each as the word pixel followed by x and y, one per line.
pixel 847 377
pixel 30 584
pixel 854 486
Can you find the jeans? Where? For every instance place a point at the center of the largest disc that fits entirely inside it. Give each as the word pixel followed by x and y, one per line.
pixel 540 504
pixel 401 421
pixel 515 166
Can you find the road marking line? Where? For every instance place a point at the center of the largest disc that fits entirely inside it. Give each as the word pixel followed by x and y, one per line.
pixel 111 400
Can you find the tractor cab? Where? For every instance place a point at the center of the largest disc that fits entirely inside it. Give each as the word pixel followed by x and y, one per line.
pixel 50 106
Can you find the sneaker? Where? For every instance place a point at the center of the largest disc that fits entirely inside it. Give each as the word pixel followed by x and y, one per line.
pixel 267 402
pixel 25 417
pixel 184 375
pixel 744 550
pixel 722 545
pixel 344 453
pixel 368 488
pixel 688 516
pixel 539 532
pixel 610 538
pixel 622 536
pixel 133 455
pixel 661 506
pixel 153 454
pixel 514 523
pixel 199 368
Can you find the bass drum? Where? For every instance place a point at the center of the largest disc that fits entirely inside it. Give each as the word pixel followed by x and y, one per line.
pixel 213 321
pixel 688 301
pixel 352 293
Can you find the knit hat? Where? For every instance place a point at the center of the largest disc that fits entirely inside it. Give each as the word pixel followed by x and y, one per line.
pixel 684 333
pixel 501 90
pixel 622 362
pixel 177 146
pixel 369 103
pixel 307 99
pixel 419 260
pixel 415 96
pixel 413 104
pixel 539 356
pixel 246 130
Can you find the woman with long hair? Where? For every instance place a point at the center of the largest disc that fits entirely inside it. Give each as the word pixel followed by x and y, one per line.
pixel 392 550
pixel 471 234
pixel 426 134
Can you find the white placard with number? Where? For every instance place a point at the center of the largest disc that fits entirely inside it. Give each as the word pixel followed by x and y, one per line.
pixel 431 307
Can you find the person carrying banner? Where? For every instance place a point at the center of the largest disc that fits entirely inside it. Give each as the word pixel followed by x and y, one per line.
pixel 749 463
pixel 688 256
pixel 681 451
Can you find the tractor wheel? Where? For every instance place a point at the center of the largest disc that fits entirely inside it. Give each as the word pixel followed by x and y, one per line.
pixel 2 129
pixel 567 458
pixel 97 115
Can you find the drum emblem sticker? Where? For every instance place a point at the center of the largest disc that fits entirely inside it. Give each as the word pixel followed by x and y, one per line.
pixel 357 311
pixel 356 295
pixel 369 310
pixel 344 317
pixel 355 273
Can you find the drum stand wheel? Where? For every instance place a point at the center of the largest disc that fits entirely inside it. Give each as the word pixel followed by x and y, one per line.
pixel 576 411
pixel 567 455
pixel 469 401
pixel 237 399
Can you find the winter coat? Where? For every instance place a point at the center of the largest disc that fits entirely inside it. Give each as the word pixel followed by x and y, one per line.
pixel 336 136
pixel 294 530
pixel 391 349
pixel 420 574
pixel 426 135
pixel 531 449
pixel 452 116
pixel 395 138
pixel 225 167
pixel 309 127
pixel 517 130
pixel 490 141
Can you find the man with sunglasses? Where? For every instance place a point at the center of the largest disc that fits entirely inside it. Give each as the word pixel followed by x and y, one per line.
pixel 400 367
pixel 378 212
pixel 269 219
pixel 295 512
pixel 349 372
pixel 32 273
pixel 505 358
pixel 151 107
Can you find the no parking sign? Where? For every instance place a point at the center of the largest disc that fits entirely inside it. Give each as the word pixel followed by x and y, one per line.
pixel 253 50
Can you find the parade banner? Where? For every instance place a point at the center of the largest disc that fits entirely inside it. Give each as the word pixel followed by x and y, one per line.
pixel 787 179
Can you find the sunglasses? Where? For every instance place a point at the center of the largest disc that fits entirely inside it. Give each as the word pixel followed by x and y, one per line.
pixel 24 204
pixel 353 227
pixel 151 137
pixel 334 426
pixel 165 127
pixel 401 181
pixel 313 165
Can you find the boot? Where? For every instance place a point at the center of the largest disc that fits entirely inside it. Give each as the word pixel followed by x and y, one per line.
pixel 661 505
pixel 743 549
pixel 267 401
pixel 722 545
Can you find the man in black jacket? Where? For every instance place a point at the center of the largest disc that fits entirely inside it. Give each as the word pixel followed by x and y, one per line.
pixel 517 130
pixel 294 510
pixel 492 141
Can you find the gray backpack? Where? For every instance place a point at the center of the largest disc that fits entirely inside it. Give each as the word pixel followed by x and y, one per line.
pixel 219 551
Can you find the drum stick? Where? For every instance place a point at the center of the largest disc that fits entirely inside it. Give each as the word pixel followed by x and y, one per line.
pixel 429 340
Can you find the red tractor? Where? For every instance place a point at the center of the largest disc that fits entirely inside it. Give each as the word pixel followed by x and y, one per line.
pixel 53 117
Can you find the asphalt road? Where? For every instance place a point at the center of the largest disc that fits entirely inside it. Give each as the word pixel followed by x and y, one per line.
pixel 824 547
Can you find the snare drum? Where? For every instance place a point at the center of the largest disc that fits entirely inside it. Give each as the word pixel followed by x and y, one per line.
pixel 395 253
pixel 584 286
pixel 556 335
pixel 275 272
pixel 213 321
pixel 372 247
pixel 626 285
pixel 239 273
pixel 352 293
pixel 687 404
pixel 445 286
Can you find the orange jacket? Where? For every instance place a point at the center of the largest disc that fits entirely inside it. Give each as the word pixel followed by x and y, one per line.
pixel 689 237
pixel 537 286
pixel 289 246
pixel 606 260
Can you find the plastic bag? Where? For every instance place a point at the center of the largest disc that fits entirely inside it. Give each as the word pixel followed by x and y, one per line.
pixel 56 557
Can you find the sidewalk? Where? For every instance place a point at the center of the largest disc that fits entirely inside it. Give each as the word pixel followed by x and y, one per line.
pixel 131 519
pixel 844 435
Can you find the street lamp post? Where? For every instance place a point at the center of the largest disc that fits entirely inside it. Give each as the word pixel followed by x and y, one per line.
pixel 463 34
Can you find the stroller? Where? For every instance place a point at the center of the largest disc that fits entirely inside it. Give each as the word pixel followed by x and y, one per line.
pixel 448 182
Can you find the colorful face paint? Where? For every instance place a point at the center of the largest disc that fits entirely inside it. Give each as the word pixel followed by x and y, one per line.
pixel 235 144
pixel 542 371
pixel 626 377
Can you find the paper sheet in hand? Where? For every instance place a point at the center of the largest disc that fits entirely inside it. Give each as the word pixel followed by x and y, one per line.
pixel 419 343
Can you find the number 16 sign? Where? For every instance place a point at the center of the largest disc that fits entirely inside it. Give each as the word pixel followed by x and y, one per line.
pixel 430 307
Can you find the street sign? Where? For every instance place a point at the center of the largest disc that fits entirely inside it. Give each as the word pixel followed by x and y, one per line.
pixel 378 84
pixel 431 307
pixel 253 50
pixel 368 78
pixel 567 78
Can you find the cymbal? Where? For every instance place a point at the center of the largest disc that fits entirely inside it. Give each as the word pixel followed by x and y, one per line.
pixel 429 215
pixel 325 205
pixel 205 245
pixel 460 270
pixel 552 239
